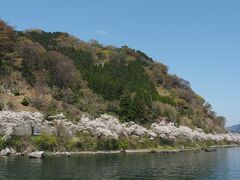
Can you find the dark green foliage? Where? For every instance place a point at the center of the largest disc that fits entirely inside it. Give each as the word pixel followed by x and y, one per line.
pixel 107 144
pixel 65 95
pixel 19 143
pixel 25 101
pixel 166 100
pixel 125 108
pixel 2 143
pixel 47 39
pixel 136 108
pixel 86 142
pixel 1 106
pixel 83 142
pixel 28 75
pixel 166 142
pixel 14 142
pixel 5 69
pixel 141 106
pixel 112 79
pixel 47 143
pixel 144 55
pixel 83 60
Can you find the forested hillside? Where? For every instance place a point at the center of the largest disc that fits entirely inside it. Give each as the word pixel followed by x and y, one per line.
pixel 55 72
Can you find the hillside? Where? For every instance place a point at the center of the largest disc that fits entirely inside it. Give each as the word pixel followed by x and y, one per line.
pixel 54 72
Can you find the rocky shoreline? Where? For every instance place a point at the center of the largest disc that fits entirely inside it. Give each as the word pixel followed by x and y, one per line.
pixel 137 151
pixel 40 154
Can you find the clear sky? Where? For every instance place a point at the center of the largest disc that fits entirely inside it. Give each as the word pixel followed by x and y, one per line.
pixel 198 39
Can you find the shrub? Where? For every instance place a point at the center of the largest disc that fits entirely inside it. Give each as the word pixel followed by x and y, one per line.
pixel 1 143
pixel 25 101
pixel 107 144
pixel 16 93
pixel 62 72
pixel 124 144
pixel 1 106
pixel 166 100
pixel 164 110
pixel 14 142
pixel 48 143
pixel 84 142
pixel 51 109
pixel 28 75
pixel 180 102
pixel 18 143
pixel 66 95
pixel 166 142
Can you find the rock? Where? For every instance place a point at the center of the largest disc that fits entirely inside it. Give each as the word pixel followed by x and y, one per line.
pixel 36 154
pixel 210 149
pixel 181 148
pixel 67 154
pixel 153 151
pixel 8 133
pixel 7 151
pixel 3 152
pixel 22 130
pixel 13 151
pixel 123 151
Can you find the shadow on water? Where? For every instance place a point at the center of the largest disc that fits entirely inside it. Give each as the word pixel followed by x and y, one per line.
pixel 223 164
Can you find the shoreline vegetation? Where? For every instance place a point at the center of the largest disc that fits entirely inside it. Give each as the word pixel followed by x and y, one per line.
pixel 23 146
pixel 151 150
pixel 157 150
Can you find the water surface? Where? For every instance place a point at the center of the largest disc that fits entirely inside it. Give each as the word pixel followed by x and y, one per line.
pixel 223 165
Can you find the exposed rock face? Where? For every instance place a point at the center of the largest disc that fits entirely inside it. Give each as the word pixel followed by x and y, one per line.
pixel 27 123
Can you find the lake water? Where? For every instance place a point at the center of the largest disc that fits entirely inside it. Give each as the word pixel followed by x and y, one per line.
pixel 223 165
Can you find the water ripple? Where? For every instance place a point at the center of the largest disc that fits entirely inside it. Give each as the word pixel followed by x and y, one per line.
pixel 224 164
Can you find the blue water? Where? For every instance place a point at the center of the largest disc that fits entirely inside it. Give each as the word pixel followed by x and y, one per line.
pixel 221 165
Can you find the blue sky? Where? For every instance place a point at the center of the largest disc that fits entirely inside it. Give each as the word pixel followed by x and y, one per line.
pixel 198 39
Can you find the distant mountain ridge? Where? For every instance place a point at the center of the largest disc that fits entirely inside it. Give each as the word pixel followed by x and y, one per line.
pixel 234 128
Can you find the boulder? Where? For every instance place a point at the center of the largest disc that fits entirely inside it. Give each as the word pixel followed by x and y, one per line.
pixel 22 130
pixel 36 154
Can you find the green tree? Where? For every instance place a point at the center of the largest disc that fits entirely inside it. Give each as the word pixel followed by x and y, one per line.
pixel 126 111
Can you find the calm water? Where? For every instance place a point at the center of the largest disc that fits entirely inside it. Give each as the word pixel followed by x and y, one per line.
pixel 222 165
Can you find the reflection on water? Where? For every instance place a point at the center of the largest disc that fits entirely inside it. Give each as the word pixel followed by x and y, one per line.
pixel 223 164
